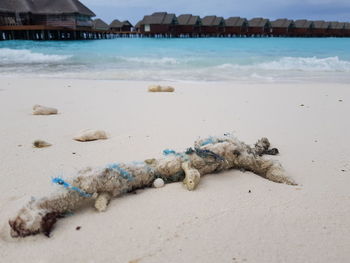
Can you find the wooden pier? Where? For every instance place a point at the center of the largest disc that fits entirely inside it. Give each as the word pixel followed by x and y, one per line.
pixel 260 28
pixel 40 32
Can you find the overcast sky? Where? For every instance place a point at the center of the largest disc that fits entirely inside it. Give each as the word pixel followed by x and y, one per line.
pixel 134 10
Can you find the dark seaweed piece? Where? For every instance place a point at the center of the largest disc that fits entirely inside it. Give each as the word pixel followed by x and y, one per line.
pixel 179 176
pixel 48 222
pixel 19 230
pixel 237 153
pixel 273 151
pixel 190 151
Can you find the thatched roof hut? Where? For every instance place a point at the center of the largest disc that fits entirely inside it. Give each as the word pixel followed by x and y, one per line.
pixel 236 25
pixel 213 25
pixel 120 26
pixel 137 27
pixel 336 29
pixel 213 21
pixel 236 21
pixel 66 13
pixel 16 6
pixel 99 24
pixel 282 27
pixel 303 28
pixel 337 25
pixel 159 23
pixel 320 24
pixel 320 28
pixel 188 20
pixel 259 26
pixel 282 23
pixel 116 24
pixel 347 29
pixel 188 24
pixel 303 23
pixel 45 7
pixel 160 18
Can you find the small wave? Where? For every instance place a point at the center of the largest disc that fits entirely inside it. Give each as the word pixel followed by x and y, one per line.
pixel 314 64
pixel 330 64
pixel 151 61
pixel 24 56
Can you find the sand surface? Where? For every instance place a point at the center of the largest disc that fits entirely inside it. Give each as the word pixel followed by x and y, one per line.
pixel 220 221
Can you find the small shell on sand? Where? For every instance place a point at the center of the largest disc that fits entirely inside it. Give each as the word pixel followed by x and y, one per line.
pixel 157 88
pixel 41 144
pixel 158 183
pixel 90 135
pixel 43 110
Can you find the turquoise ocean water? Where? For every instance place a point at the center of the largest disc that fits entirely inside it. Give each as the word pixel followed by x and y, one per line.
pixel 202 59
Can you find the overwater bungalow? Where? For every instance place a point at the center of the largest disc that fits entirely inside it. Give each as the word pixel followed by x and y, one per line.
pixel 212 26
pixel 320 28
pixel 70 14
pixel 100 25
pixel 236 26
pixel 259 27
pixel 282 27
pixel 159 23
pixel 188 25
pixel 303 28
pixel 137 27
pixel 346 29
pixel 336 29
pixel 118 26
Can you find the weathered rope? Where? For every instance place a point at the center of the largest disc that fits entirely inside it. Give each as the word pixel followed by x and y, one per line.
pixel 124 173
pixel 183 156
pixel 60 181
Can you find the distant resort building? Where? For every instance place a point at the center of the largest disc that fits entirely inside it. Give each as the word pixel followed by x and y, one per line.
pixel 259 27
pixel 282 27
pixel 188 25
pixel 320 28
pixel 303 28
pixel 59 13
pixel 70 20
pixel 347 29
pixel 118 26
pixel 212 26
pixel 158 23
pixel 236 26
pixel 336 29
pixel 100 25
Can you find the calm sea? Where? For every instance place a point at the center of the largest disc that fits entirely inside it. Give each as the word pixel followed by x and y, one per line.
pixel 203 59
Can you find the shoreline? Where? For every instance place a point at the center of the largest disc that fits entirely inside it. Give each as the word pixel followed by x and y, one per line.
pixel 218 222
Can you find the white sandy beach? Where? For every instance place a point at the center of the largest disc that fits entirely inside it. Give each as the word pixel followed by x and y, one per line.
pixel 220 221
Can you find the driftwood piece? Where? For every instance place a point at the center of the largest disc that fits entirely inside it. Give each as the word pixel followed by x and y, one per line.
pixel 99 186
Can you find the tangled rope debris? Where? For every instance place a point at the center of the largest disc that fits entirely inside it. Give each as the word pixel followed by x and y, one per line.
pixel 210 155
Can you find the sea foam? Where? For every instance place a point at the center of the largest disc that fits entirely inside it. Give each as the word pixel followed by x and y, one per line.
pixel 150 60
pixel 329 64
pixel 24 56
pixel 314 64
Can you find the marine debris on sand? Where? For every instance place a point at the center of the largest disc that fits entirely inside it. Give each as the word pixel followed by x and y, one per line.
pixel 158 88
pixel 90 135
pixel 43 110
pixel 41 144
pixel 158 183
pixel 100 185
